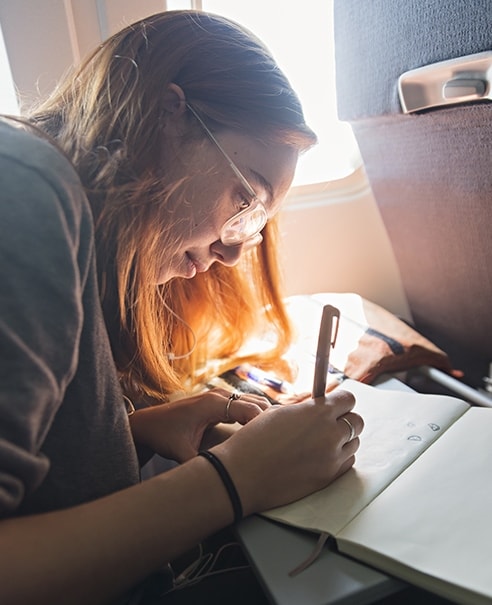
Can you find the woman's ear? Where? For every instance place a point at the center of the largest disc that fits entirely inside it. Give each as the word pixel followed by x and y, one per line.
pixel 174 100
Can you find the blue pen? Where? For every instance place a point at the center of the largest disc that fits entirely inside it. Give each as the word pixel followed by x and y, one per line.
pixel 262 377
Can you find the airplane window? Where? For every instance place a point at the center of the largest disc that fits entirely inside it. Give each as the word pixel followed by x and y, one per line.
pixel 302 43
pixel 8 99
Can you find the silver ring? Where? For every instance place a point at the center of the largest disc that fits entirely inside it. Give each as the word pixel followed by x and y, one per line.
pixel 351 427
pixel 232 397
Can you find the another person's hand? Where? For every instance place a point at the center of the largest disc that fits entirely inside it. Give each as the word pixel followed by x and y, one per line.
pixel 290 451
pixel 176 430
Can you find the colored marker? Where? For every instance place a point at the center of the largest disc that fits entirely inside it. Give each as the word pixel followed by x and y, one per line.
pixel 261 377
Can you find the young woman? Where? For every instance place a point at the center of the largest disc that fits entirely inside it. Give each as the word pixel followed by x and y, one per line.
pixel 164 161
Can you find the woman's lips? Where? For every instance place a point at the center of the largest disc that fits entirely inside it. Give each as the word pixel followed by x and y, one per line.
pixel 194 266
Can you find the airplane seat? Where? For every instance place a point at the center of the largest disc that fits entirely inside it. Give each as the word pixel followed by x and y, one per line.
pixel 426 142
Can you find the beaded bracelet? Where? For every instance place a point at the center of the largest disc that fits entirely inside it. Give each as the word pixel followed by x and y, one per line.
pixel 228 483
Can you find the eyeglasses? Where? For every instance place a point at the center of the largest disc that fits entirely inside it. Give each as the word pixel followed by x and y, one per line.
pixel 245 226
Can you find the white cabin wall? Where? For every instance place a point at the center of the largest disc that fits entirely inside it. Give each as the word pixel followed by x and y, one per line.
pixel 334 240
pixel 45 38
pixel 37 42
pixel 333 237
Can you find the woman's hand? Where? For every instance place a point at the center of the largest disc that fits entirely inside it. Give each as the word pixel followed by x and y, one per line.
pixel 291 451
pixel 176 430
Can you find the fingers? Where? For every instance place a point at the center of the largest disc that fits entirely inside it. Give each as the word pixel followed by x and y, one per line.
pixel 288 398
pixel 243 407
pixel 261 402
pixel 350 426
pixel 346 465
pixel 341 401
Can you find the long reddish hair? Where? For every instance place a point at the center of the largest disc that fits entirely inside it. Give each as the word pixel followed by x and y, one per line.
pixel 106 118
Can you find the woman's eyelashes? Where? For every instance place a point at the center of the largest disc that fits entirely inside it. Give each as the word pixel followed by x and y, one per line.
pixel 243 200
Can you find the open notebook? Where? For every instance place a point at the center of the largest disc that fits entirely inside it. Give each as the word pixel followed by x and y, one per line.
pixel 418 502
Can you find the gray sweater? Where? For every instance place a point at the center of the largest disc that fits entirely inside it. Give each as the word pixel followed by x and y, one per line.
pixel 64 433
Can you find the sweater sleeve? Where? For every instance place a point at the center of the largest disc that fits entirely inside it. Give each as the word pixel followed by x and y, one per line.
pixel 40 309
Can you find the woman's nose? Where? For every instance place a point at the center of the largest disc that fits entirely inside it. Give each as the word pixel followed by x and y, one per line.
pixel 227 255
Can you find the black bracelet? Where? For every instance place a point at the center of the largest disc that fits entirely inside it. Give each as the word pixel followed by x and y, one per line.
pixel 227 481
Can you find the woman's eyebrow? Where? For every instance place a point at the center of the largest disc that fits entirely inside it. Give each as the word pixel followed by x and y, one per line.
pixel 262 181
